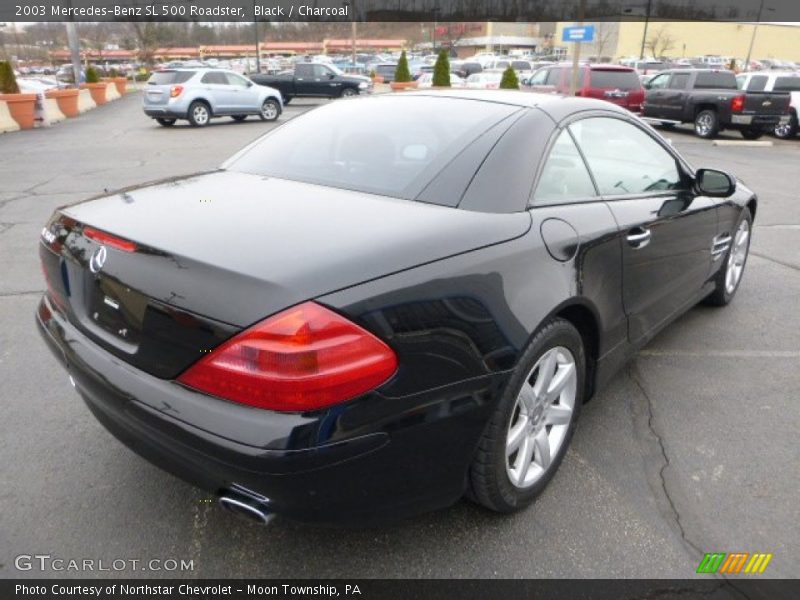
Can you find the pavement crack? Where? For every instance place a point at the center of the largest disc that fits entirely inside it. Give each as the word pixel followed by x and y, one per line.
pixel 776 261
pixel 665 462
pixel 23 293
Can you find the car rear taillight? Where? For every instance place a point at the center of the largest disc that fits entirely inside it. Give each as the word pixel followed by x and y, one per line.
pixel 175 91
pixel 737 104
pixel 304 358
pixel 109 240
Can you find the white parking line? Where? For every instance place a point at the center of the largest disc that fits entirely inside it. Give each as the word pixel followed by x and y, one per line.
pixel 752 143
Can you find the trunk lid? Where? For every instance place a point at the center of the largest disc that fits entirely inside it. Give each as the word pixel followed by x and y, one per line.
pixel 218 252
pixel 766 103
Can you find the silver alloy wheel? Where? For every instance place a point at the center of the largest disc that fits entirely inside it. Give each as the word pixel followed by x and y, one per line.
pixel 541 417
pixel 737 256
pixel 269 111
pixel 200 114
pixel 703 124
pixel 784 131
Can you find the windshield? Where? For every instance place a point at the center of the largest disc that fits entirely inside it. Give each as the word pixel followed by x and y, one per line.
pixel 336 69
pixel 389 145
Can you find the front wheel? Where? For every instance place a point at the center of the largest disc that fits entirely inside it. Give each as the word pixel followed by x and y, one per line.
pixel 199 114
pixel 730 273
pixel 751 134
pixel 706 124
pixel 349 93
pixel 531 427
pixel 270 110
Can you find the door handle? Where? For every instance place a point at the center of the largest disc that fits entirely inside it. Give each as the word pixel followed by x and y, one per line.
pixel 638 237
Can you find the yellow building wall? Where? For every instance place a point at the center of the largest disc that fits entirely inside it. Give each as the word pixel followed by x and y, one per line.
pixel 725 39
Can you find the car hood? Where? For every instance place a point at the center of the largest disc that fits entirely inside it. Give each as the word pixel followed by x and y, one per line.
pixel 279 242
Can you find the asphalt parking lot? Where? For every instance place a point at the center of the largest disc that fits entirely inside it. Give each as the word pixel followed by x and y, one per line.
pixel 692 449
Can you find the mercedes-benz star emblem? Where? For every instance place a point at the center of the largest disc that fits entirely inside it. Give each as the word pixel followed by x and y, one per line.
pixel 98 260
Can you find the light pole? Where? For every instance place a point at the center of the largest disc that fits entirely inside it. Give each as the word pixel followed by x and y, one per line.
pixel 255 34
pixel 646 23
pixel 753 37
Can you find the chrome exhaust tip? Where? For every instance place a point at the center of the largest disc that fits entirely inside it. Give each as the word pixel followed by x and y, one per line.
pixel 247 508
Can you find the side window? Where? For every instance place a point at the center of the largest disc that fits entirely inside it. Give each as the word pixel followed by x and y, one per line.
pixel 678 81
pixel 659 81
pixel 624 159
pixel 757 83
pixel 234 79
pixel 539 77
pixel 741 81
pixel 564 177
pixel 212 77
pixel 304 71
pixel 321 71
pixel 553 77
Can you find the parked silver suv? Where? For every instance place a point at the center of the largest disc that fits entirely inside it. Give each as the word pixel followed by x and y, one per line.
pixel 199 95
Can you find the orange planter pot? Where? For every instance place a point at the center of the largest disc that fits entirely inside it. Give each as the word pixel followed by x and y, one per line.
pixel 377 79
pixel 98 92
pixel 121 83
pixel 21 107
pixel 67 101
pixel 399 86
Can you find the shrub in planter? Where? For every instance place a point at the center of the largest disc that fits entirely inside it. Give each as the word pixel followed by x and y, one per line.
pixel 402 76
pixel 95 86
pixel 509 80
pixel 21 106
pixel 441 71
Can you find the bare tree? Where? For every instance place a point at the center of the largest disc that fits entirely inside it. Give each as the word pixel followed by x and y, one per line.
pixel 660 41
pixel 603 32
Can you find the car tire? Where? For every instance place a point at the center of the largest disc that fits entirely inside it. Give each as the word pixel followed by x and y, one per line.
pixel 238 118
pixel 270 110
pixel 166 122
pixel 706 124
pixel 348 93
pixel 788 131
pixel 286 100
pixel 530 429
pixel 730 274
pixel 751 134
pixel 667 125
pixel 199 114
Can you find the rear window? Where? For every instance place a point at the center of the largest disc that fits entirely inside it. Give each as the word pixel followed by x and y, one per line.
pixel 623 80
pixel 787 84
pixel 715 80
pixel 353 145
pixel 386 69
pixel 170 77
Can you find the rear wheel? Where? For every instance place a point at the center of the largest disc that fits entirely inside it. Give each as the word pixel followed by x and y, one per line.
pixel 199 114
pixel 788 131
pixel 239 118
pixel 751 134
pixel 706 124
pixel 270 110
pixel 166 122
pixel 729 275
pixel 531 427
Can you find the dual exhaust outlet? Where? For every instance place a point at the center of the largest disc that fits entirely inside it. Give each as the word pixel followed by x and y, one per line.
pixel 247 504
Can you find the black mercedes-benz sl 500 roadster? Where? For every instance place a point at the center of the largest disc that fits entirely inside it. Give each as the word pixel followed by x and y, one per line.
pixel 386 303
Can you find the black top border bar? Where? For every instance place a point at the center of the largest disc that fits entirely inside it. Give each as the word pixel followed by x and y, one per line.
pixel 398 10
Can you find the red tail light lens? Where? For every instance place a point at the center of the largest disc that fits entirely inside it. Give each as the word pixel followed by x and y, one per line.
pixel 109 240
pixel 175 91
pixel 304 358
pixel 737 104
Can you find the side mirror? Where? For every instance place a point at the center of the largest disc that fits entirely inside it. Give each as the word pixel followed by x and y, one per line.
pixel 331 75
pixel 249 84
pixel 711 182
pixel 646 85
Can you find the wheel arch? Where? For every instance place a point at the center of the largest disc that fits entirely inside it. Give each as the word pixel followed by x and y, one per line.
pixel 752 204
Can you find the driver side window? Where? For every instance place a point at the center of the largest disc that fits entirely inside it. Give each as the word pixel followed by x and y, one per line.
pixel 658 82
pixel 624 159
pixel 564 177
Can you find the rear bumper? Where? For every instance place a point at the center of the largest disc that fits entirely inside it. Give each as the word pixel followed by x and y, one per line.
pixel 758 121
pixel 164 112
pixel 383 470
